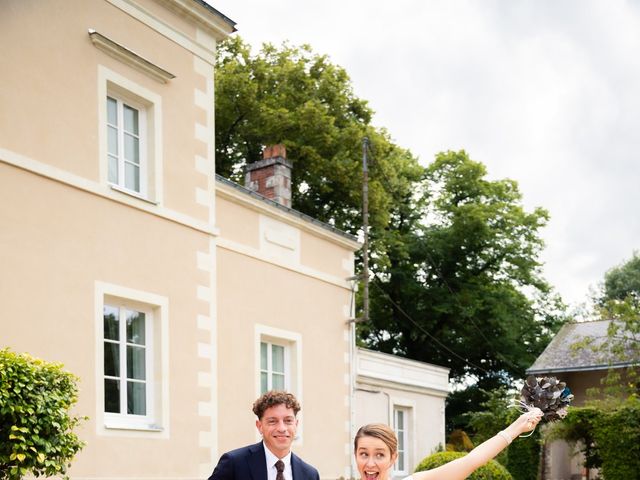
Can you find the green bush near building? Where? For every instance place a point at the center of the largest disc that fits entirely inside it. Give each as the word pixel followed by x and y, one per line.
pixel 36 427
pixel 491 471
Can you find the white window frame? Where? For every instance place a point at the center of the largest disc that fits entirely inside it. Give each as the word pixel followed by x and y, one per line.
pixel 293 364
pixel 124 417
pixel 143 137
pixel 149 106
pixel 156 308
pixel 269 370
pixel 406 413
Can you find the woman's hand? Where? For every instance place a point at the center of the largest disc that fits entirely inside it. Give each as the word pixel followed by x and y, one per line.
pixel 528 421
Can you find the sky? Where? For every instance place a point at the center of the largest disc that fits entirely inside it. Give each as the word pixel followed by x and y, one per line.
pixel 545 92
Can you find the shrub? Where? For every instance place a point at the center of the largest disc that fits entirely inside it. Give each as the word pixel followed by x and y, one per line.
pixel 36 429
pixel 491 471
pixel 610 437
pixel 617 436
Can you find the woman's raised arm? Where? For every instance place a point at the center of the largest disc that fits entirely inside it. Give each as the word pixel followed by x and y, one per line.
pixel 461 468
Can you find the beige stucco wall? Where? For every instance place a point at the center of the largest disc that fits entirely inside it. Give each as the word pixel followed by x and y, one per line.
pixel 299 291
pixel 65 233
pixel 54 248
pixel 49 57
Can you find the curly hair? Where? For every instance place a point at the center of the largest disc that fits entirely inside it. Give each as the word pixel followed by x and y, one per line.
pixel 274 398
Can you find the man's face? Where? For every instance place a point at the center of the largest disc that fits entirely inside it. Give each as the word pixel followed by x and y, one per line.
pixel 278 428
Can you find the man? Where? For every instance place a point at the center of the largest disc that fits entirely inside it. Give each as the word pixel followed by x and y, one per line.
pixel 270 459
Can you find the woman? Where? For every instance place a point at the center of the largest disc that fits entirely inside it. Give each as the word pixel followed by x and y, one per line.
pixel 376 450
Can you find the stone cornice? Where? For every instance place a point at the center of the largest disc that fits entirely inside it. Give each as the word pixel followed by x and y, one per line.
pixel 129 57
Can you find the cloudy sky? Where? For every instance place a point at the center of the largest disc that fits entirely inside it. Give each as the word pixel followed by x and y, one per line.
pixel 544 92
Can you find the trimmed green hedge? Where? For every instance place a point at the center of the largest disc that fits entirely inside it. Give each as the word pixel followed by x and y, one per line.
pixel 617 436
pixel 36 429
pixel 491 471
pixel 610 437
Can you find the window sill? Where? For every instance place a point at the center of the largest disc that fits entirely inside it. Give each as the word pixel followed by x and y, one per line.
pixel 131 426
pixel 131 194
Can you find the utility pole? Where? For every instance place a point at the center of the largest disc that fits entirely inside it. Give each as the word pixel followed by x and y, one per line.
pixel 365 229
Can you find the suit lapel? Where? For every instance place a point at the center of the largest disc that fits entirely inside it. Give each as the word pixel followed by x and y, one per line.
pixel 296 468
pixel 257 462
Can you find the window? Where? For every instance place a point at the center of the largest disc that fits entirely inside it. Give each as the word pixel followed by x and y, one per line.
pixel 130 137
pixel 128 362
pixel 401 425
pixel 132 362
pixel 126 145
pixel 273 367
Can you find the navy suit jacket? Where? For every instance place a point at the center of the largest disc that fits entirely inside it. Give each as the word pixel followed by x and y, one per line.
pixel 250 463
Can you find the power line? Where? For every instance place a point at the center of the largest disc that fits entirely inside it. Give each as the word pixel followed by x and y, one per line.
pixel 369 148
pixel 420 327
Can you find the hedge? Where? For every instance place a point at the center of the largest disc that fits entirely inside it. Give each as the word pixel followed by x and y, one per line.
pixel 491 471
pixel 36 428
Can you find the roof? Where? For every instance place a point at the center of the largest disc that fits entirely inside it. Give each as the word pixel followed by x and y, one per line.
pixel 560 357
pixel 291 211
pixel 206 5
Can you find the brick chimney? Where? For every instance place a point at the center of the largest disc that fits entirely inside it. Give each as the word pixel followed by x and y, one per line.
pixel 271 176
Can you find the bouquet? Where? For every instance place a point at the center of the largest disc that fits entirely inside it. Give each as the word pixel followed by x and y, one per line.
pixel 548 394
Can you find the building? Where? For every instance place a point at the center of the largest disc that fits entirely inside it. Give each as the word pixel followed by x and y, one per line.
pixel 175 296
pixel 581 369
pixel 124 258
pixel 406 394
pixel 284 306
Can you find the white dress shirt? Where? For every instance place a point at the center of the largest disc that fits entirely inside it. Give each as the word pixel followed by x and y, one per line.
pixel 271 464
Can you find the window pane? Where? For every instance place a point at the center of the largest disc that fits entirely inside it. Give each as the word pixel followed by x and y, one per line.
pixel 400 420
pixel 112 359
pixel 112 111
pixel 112 140
pixel 278 382
pixel 113 169
pixel 136 363
pixel 132 177
pixel 111 324
pixel 136 398
pixel 401 461
pixel 277 358
pixel 111 396
pixel 130 120
pixel 263 356
pixel 135 327
pixel 264 385
pixel 131 149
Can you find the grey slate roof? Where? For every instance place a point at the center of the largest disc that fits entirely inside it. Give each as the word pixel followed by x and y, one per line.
pixel 560 357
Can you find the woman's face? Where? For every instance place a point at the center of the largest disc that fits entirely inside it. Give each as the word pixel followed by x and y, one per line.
pixel 374 459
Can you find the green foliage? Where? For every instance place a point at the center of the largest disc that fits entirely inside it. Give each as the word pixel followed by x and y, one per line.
pixel 620 349
pixel 459 265
pixel 623 280
pixel 609 439
pixel 459 441
pixel 36 428
pixel 293 96
pixel 523 455
pixel 491 471
pixel 617 436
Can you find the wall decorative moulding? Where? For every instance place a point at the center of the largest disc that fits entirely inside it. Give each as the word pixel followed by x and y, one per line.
pixel 129 57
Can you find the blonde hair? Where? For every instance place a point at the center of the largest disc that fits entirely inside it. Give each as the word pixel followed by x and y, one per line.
pixel 380 431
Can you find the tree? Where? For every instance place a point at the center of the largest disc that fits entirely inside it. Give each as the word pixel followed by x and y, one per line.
pixel 622 280
pixel 293 96
pixel 454 257
pixel 463 286
pixel 36 428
